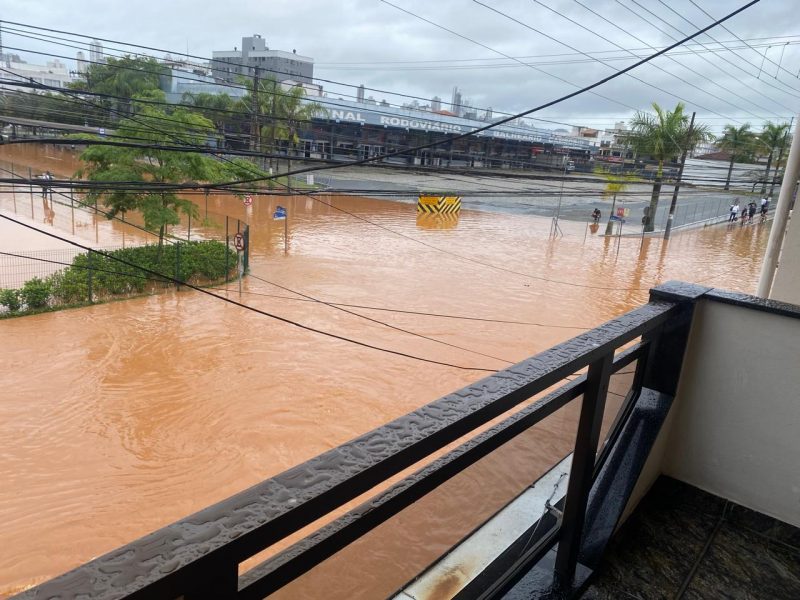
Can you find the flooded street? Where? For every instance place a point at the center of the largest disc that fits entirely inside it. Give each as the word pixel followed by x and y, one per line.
pixel 120 418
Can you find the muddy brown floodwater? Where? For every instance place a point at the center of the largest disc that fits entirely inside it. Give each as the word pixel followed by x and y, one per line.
pixel 119 418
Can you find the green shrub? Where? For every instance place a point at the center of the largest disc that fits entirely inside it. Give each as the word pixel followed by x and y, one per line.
pixel 69 286
pixel 202 262
pixel 35 293
pixel 10 299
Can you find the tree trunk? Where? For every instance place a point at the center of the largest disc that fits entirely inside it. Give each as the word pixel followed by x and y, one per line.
pixel 730 170
pixel 766 174
pixel 610 224
pixel 650 223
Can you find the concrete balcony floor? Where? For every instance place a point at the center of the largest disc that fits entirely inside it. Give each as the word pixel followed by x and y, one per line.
pixel 682 542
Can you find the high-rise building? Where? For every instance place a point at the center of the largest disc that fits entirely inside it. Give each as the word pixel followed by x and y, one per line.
pixel 83 66
pixel 96 52
pixel 436 104
pixel 360 94
pixel 228 66
pixel 455 104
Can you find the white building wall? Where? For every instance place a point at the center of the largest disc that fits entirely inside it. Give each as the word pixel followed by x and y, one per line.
pixel 736 423
pixel 786 286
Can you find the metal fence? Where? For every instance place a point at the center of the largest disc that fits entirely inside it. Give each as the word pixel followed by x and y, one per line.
pixel 72 275
pixel 47 279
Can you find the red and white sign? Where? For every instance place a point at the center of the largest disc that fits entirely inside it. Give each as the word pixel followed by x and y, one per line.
pixel 248 200
pixel 238 241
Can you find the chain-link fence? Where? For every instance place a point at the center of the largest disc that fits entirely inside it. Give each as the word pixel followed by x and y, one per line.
pixel 128 259
pixel 47 279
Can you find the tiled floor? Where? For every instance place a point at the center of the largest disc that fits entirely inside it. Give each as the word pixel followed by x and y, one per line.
pixel 685 543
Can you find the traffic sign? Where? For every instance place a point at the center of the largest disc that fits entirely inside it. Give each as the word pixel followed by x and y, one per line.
pixel 248 200
pixel 238 241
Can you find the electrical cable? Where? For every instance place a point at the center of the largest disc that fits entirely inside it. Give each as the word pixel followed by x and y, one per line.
pixel 573 94
pixel 767 83
pixel 746 44
pixel 563 98
pixel 247 307
pixel 728 90
pixel 604 63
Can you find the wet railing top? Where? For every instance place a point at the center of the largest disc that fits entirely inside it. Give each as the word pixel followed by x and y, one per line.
pixel 170 561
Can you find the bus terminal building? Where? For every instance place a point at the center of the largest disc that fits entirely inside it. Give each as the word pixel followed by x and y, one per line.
pixel 348 130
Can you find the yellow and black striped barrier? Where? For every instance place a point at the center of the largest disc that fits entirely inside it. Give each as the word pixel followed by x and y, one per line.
pixel 438 205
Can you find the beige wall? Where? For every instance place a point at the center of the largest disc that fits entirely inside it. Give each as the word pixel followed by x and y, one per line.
pixel 736 422
pixel 786 286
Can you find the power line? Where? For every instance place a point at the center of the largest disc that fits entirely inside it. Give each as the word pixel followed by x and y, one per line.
pixel 558 54
pixel 540 107
pixel 573 94
pixel 780 68
pixel 644 8
pixel 417 312
pixel 227 84
pixel 728 90
pixel 383 323
pixel 245 306
pixel 604 63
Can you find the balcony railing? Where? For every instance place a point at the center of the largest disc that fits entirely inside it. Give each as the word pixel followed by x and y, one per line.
pixel 199 557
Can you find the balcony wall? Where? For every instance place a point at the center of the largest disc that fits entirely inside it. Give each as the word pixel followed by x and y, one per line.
pixel 786 287
pixel 734 430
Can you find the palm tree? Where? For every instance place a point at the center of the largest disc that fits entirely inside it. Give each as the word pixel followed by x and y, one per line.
pixel 663 137
pixel 739 142
pixel 772 137
pixel 616 183
pixel 217 108
pixel 296 110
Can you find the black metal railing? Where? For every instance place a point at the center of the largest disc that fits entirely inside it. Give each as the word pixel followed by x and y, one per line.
pixel 199 557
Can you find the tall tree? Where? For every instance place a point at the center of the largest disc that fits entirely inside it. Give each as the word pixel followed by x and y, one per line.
pixel 772 137
pixel 739 142
pixel 126 77
pixel 281 113
pixel 662 137
pixel 147 164
pixel 217 108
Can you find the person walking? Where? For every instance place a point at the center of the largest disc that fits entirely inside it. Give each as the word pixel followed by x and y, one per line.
pixel 764 209
pixel 751 211
pixel 734 211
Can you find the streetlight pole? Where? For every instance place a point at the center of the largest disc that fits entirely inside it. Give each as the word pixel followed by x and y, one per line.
pixel 674 203
pixel 778 230
pixel 554 228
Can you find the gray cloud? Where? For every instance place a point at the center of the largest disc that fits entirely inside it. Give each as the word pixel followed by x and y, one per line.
pixel 378 36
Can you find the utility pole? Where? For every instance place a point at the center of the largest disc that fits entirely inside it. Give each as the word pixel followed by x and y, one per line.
pixel 778 231
pixel 674 202
pixel 255 141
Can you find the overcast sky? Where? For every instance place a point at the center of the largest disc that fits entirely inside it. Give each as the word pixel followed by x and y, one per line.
pixel 394 50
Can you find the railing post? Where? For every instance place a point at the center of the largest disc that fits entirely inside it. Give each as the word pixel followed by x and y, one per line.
pixel 583 462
